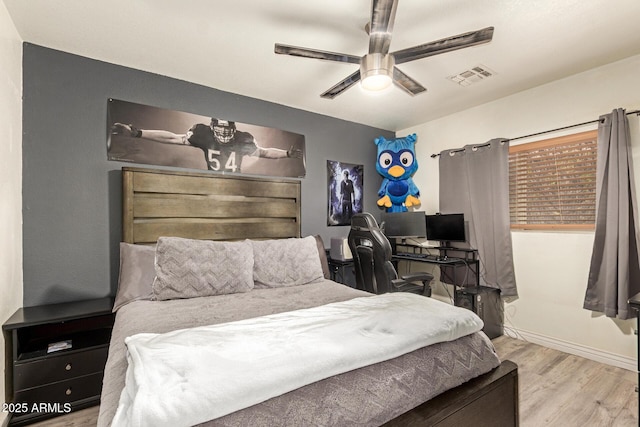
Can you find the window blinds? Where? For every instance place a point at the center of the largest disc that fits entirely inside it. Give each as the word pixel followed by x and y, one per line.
pixel 552 183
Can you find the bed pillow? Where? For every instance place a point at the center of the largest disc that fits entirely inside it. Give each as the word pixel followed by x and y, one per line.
pixel 187 268
pixel 136 274
pixel 286 262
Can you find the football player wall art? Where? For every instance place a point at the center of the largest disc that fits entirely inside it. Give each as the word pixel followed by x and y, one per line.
pixel 151 135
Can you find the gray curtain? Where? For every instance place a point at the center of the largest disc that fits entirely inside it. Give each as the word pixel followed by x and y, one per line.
pixel 614 275
pixel 475 181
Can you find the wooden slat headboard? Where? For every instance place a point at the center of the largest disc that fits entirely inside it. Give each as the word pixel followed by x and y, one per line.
pixel 195 205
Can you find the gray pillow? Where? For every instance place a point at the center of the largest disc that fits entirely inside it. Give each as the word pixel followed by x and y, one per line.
pixel 187 268
pixel 136 274
pixel 286 262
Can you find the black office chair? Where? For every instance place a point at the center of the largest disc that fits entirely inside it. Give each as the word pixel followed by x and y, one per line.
pixel 375 272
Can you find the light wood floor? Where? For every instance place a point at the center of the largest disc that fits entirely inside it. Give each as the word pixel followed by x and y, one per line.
pixel 559 389
pixel 556 389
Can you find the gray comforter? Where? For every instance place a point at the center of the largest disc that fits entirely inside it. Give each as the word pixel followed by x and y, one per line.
pixel 367 396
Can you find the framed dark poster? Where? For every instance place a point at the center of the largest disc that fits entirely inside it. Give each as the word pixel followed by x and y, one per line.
pixel 345 183
pixel 144 134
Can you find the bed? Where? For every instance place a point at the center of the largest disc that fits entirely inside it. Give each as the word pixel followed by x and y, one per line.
pixel 169 214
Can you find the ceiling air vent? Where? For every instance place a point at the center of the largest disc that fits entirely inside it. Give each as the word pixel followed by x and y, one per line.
pixel 474 75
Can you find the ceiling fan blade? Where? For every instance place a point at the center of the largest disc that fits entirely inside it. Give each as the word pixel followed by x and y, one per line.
pixel 383 13
pixel 316 54
pixel 406 83
pixel 342 86
pixel 449 44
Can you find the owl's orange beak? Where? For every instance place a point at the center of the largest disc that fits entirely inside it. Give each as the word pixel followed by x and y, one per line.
pixel 396 171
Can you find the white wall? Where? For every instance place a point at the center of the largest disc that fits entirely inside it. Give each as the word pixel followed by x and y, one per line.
pixel 10 174
pixel 551 267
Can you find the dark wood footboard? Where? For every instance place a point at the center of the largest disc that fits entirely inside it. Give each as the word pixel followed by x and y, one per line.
pixel 490 400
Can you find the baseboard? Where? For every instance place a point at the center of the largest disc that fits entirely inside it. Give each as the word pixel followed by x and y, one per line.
pixel 595 354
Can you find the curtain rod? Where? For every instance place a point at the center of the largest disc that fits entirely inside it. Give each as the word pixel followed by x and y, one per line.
pixel 541 133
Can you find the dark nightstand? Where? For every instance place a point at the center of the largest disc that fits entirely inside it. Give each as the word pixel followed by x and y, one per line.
pixel 55 356
pixel 340 270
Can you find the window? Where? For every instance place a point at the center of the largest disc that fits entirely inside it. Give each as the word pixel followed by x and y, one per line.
pixel 552 183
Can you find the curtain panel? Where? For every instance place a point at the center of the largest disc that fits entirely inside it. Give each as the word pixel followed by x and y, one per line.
pixel 614 273
pixel 475 181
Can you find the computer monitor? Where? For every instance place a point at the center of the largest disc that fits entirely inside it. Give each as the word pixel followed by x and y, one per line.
pixel 404 225
pixel 446 228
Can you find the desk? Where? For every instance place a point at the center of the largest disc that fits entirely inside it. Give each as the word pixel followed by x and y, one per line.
pixel 449 265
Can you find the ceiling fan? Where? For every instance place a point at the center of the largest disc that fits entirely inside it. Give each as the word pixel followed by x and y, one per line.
pixel 378 67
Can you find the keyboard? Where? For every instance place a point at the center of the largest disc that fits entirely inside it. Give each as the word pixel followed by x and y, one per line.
pixel 418 256
pixel 411 255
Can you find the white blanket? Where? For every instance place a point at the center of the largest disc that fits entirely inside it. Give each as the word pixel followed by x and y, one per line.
pixel 186 377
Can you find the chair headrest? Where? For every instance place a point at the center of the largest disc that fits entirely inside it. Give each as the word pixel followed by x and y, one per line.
pixel 363 222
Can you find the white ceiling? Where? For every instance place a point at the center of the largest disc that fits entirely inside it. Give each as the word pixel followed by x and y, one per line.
pixel 228 45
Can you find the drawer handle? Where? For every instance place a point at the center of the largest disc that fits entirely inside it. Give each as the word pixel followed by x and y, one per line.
pixel 68 367
pixel 68 391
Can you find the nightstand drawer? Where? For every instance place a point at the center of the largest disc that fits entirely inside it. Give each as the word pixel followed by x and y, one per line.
pixel 64 391
pixel 59 367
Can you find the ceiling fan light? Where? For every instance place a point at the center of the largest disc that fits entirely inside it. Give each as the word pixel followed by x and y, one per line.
pixel 376 82
pixel 376 71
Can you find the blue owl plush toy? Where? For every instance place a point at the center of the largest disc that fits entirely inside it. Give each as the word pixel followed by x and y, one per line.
pixel 397 163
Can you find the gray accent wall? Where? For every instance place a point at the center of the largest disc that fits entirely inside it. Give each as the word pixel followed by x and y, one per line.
pixel 71 192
